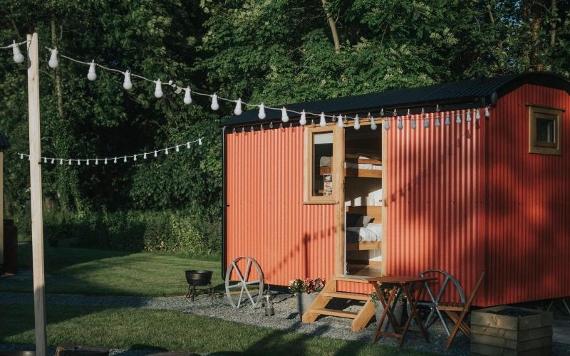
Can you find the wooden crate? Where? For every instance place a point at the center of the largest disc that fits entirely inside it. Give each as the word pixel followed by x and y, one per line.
pixel 506 330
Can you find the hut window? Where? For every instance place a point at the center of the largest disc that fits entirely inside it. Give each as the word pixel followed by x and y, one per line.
pixel 319 163
pixel 544 130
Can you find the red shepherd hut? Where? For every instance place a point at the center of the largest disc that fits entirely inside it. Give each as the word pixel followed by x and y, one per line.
pixel 465 177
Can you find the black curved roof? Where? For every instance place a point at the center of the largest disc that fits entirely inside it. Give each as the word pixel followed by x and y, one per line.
pixel 4 144
pixel 454 95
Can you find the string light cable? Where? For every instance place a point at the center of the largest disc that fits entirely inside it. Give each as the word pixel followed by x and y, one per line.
pixel 187 91
pixel 116 159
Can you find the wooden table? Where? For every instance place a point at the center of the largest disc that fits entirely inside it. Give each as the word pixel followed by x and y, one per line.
pixel 410 287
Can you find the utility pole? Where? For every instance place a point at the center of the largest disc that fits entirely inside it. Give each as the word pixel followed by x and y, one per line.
pixel 36 195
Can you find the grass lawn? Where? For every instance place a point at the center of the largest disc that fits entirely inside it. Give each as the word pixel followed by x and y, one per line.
pixel 88 271
pixel 128 328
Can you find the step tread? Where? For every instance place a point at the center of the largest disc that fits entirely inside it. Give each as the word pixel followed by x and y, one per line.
pixel 343 295
pixel 355 279
pixel 337 313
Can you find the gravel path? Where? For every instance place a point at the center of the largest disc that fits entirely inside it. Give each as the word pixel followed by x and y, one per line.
pixel 285 318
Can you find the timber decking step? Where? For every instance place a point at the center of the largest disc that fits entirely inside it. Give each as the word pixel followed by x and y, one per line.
pixel 342 295
pixel 337 313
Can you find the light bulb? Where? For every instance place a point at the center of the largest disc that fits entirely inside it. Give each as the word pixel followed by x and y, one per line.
pixel 458 117
pixel 478 114
pixel 284 116
pixel 18 56
pixel 373 125
pixel 158 89
pixel 323 121
pixel 400 122
pixel 340 122
pixel 413 120
pixel 125 159
pixel 261 113
pixel 91 75
pixel 127 84
pixel 447 118
pixel 187 96
pixel 487 112
pixel 215 106
pixel 426 119
pixel 303 119
pixel 237 109
pixel 468 116
pixel 356 122
pixel 53 63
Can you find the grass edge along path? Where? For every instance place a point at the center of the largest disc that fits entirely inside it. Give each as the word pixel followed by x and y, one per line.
pixel 128 328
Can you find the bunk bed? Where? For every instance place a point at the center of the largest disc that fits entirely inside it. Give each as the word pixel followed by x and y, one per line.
pixel 354 166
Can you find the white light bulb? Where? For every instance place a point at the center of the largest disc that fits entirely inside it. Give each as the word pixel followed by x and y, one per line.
pixel 135 158
pixel 177 148
pixel 187 96
pixel 458 117
pixel 323 121
pixel 303 119
pixel 373 125
pixel 53 63
pixel 284 116
pixel 96 161
pixel 18 56
pixel 356 123
pixel 478 114
pixel 400 122
pixel 91 75
pixel 188 143
pixel 105 160
pixel 215 106
pixel 144 155
pixel 125 159
pixel 447 118
pixel 487 112
pixel 79 162
pixel 426 119
pixel 60 161
pixel 237 109
pixel 468 116
pixel 158 89
pixel 261 113
pixel 166 151
pixel 127 84
pixel 155 153
pixel 199 143
pixel 87 161
pixel 413 121
pixel 340 122
pixel 69 163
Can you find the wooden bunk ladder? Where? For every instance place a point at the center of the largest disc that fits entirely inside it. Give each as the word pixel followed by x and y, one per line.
pixel 330 292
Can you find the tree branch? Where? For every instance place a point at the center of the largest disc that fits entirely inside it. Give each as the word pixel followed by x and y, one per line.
pixel 332 25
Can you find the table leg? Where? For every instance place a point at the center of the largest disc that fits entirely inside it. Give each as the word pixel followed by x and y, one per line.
pixel 387 312
pixel 410 296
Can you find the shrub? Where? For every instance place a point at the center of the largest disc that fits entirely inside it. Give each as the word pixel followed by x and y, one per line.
pixel 174 232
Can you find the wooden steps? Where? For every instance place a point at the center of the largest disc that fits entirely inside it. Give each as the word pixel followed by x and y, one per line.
pixel 319 306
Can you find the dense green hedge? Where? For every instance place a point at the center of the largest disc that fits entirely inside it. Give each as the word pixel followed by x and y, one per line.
pixel 167 231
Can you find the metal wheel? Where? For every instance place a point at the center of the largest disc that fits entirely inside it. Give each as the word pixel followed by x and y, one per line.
pixel 244 281
pixel 436 291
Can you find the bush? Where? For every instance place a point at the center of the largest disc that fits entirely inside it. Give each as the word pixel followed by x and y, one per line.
pixel 175 232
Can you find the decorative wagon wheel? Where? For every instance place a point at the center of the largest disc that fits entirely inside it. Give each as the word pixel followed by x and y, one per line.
pixel 247 286
pixel 444 282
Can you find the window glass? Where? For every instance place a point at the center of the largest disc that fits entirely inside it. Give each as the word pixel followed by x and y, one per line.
pixel 545 131
pixel 322 182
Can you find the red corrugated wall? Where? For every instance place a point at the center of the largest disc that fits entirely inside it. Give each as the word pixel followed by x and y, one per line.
pixel 528 203
pixel 266 217
pixel 436 198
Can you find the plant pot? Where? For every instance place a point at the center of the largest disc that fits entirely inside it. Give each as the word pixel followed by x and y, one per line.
pixel 304 301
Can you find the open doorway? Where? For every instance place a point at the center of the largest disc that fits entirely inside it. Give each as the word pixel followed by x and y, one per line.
pixel 363 201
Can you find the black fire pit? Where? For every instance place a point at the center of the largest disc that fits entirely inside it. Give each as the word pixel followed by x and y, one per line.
pixel 199 278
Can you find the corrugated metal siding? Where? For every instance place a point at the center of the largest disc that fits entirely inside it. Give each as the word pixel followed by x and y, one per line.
pixel 435 199
pixel 266 217
pixel 528 224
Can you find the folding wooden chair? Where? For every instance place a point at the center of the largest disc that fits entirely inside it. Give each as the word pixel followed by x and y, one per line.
pixel 458 312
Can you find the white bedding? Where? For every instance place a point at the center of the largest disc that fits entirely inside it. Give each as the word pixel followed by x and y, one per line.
pixel 372 232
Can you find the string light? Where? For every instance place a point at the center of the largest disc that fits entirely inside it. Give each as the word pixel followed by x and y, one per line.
pixel 127 84
pixel 115 159
pixel 215 106
pixel 92 75
pixel 261 114
pixel 372 122
pixel 17 54
pixel 323 120
pixel 187 96
pixel 356 122
pixel 468 116
pixel 303 119
pixel 340 122
pixel 447 118
pixel 437 122
pixel 284 116
pixel 426 119
pixel 238 110
pixel 487 112
pixel 53 62
pixel 413 121
pixel 477 114
pixel 158 89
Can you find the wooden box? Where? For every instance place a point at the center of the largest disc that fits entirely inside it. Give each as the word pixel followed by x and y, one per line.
pixel 506 330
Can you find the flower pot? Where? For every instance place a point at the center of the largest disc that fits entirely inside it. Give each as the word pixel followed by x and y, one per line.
pixel 304 301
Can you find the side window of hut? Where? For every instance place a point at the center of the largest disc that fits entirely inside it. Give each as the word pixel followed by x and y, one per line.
pixel 544 130
pixel 319 148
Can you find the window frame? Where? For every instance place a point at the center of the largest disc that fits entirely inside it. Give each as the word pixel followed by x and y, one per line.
pixel 308 154
pixel 536 111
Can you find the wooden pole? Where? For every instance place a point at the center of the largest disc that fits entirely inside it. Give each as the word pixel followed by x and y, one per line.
pixel 1 209
pixel 36 195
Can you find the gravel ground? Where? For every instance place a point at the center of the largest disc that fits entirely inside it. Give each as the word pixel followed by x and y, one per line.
pixel 285 318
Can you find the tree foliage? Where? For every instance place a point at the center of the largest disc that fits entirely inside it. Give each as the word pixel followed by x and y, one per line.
pixel 275 51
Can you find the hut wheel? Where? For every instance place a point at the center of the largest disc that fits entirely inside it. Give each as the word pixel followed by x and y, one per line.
pixel 242 283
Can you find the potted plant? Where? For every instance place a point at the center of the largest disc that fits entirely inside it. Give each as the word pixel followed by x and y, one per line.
pixel 305 291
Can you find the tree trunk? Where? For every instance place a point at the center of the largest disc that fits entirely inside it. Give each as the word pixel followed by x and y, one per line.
pixel 553 19
pixel 332 25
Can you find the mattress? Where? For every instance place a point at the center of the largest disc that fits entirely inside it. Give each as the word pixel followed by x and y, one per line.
pixel 372 232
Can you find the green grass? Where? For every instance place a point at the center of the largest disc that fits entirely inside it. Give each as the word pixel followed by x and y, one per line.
pixel 128 328
pixel 98 272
